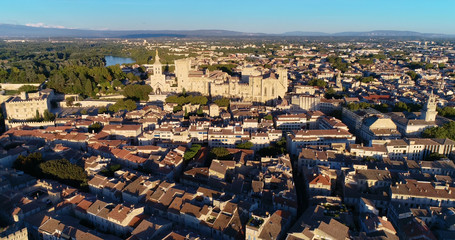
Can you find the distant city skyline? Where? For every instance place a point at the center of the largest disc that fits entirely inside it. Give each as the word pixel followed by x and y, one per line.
pixel 264 16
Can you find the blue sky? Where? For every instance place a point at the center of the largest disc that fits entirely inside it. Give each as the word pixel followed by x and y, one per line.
pixel 432 16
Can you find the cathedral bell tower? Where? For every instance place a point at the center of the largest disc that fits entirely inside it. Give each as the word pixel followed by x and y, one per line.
pixel 157 66
pixel 338 81
pixel 158 79
pixel 429 109
pixel 283 77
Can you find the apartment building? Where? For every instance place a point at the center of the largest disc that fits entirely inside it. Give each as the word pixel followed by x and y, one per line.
pixel 297 140
pixel 418 148
pixel 227 137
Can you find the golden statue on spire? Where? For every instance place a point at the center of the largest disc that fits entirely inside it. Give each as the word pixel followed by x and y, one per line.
pixel 157 57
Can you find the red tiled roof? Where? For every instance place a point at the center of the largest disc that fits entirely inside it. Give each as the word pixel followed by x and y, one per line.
pixel 324 180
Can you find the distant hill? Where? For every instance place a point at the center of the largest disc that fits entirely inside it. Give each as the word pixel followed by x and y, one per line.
pixel 377 33
pixel 10 30
pixel 389 33
pixel 305 34
pixel 21 31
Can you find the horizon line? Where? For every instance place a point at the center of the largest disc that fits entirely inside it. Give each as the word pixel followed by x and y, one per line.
pixel 44 26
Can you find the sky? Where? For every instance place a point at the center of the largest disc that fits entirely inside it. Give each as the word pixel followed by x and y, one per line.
pixel 255 16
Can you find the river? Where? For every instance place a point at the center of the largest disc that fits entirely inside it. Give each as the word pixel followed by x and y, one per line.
pixel 111 60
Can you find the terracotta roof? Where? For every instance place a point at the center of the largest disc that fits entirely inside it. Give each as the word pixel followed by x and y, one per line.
pixel 321 179
pixel 76 199
pixel 422 189
pixel 209 193
pixel 84 205
pixel 175 206
pixel 334 229
pixel 274 227
pixel 147 229
pixel 191 209
pixel 96 207
pixel 52 226
pixel 119 213
pixel 373 174
pixel 174 236
pixel 221 222
pixel 110 128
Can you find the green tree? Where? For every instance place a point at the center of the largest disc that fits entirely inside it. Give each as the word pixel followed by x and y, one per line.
pixel 268 117
pixel 220 153
pixel 338 63
pixel 48 116
pixel 29 164
pixel 383 107
pixel 132 77
pixel 275 149
pixel 244 145
pixel 365 61
pixel 400 107
pixel 182 100
pixel 447 112
pixel 198 100
pixel 95 127
pixel 37 117
pixel 177 108
pixel 64 171
pixel 429 66
pixel 317 82
pixel 102 110
pixel 128 105
pixel 88 88
pixel 331 93
pixel 110 170
pixel 357 106
pixel 415 65
pixel 445 131
pixel 3 75
pixel 27 88
pixel 117 84
pixel 434 157
pixel 414 76
pixel 191 152
pixel 282 144
pixel 367 79
pixel 137 92
pixel 172 99
pixel 200 112
pixel 69 101
pixel 222 102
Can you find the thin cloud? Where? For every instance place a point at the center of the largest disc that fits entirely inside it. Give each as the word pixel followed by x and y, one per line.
pixel 43 25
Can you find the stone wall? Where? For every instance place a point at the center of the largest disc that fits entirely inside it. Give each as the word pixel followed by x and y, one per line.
pixel 90 103
pixel 15 86
pixel 12 124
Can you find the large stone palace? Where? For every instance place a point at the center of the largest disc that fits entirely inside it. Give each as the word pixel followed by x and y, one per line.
pixel 26 105
pixel 253 86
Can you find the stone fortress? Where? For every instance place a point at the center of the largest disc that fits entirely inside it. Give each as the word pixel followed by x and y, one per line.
pixel 26 105
pixel 252 86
